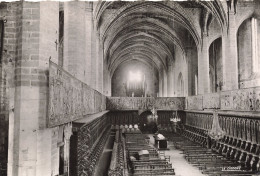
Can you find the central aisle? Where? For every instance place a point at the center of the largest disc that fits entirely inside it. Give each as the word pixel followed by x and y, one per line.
pixel 180 165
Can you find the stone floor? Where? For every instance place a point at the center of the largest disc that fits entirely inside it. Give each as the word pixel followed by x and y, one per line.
pixel 180 165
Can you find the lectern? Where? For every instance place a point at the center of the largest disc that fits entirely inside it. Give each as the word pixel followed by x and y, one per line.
pixel 160 141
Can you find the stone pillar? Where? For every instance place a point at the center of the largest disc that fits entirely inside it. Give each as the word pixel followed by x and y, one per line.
pixel 170 81
pixel 74 39
pixel 230 58
pixel 203 67
pixel 13 125
pixel 165 84
pixel 93 57
pixel 67 135
pixel 109 85
pixel 37 36
pixel 99 64
pixel 88 37
pixel 106 80
pixel 160 85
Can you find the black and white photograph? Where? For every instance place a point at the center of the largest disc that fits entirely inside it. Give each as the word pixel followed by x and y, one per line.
pixel 130 88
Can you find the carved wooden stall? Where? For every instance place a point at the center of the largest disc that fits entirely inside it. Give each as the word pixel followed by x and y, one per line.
pixel 91 140
pixel 123 118
pixel 242 135
pixel 164 117
pixel 239 118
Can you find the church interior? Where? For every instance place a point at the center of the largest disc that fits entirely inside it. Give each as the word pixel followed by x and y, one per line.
pixel 130 88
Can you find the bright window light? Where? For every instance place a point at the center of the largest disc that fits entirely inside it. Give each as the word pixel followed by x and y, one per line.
pixel 134 76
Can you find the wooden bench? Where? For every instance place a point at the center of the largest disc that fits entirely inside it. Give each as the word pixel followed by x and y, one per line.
pixel 152 166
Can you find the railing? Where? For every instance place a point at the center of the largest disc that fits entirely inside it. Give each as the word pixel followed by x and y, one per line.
pixel 117 164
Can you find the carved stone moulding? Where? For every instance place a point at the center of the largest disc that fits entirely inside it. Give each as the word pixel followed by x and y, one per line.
pixel 241 100
pixel 140 103
pixel 247 99
pixel 194 102
pixel 69 98
pixel 211 101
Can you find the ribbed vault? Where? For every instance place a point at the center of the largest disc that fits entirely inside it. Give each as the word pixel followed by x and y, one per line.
pixel 152 31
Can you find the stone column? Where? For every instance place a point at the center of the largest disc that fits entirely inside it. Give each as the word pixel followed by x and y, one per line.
pixel 99 64
pixel 106 80
pixel 230 58
pixel 93 57
pixel 74 39
pixel 170 81
pixel 165 84
pixel 29 137
pixel 13 126
pixel 88 37
pixel 160 85
pixel 203 67
pixel 67 135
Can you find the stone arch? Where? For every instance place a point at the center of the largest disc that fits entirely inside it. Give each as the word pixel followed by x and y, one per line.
pixel 215 65
pixel 247 49
pixel 242 20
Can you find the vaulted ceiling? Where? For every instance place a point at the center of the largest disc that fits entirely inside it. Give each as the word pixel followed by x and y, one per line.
pixel 152 31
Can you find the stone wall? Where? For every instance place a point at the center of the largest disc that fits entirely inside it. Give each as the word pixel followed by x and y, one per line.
pixel 120 78
pixel 9 16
